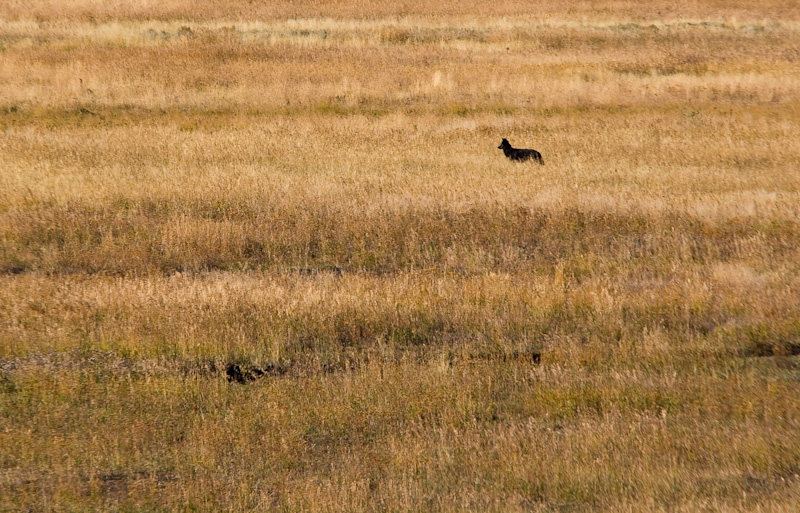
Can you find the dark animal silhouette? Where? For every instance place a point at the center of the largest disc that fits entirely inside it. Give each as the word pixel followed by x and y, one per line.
pixel 520 154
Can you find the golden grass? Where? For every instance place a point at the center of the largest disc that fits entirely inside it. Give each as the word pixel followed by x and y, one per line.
pixel 317 188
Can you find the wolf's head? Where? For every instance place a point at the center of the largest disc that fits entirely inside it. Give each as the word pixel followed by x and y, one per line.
pixel 503 145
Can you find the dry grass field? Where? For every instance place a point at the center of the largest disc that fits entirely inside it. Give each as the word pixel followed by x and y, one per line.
pixel 312 191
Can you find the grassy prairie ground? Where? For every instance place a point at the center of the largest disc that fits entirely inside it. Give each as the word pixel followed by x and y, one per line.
pixel 315 191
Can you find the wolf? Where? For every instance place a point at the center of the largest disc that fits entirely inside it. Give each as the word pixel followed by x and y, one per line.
pixel 520 154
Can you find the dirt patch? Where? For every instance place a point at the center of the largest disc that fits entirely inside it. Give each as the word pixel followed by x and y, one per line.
pixel 765 349
pixel 245 374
